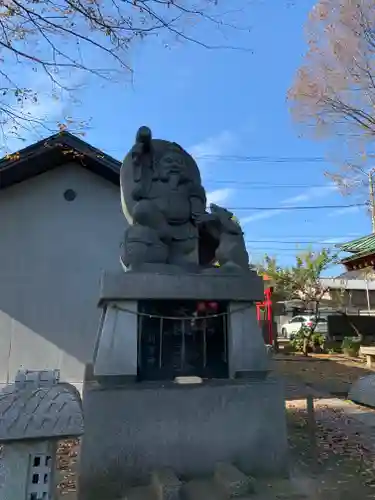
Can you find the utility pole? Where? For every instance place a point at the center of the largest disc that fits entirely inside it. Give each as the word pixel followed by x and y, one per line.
pixel 372 198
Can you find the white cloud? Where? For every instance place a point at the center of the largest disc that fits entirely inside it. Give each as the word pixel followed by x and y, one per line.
pixel 219 195
pixel 46 110
pixel 296 199
pixel 308 195
pixel 343 211
pixel 215 145
pixel 206 153
pixel 38 118
pixel 333 241
pixel 265 214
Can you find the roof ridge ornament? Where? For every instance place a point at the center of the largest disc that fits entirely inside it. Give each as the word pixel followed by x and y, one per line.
pixel 33 379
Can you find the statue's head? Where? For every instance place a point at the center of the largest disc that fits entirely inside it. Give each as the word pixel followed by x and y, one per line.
pixel 220 211
pixel 173 159
pixel 169 157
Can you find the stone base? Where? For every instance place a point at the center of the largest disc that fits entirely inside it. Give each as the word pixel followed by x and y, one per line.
pixel 362 391
pixel 134 429
pixel 242 287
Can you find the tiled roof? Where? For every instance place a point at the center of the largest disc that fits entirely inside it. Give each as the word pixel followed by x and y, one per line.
pixel 59 149
pixel 361 246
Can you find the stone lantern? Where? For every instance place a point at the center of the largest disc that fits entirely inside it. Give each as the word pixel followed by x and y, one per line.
pixel 36 411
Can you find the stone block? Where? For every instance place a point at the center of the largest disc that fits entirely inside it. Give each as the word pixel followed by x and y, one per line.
pixel 140 493
pixel 166 484
pixel 247 350
pixel 133 429
pixel 188 380
pixel 116 348
pixel 362 391
pixel 234 482
pixel 202 490
pixel 247 286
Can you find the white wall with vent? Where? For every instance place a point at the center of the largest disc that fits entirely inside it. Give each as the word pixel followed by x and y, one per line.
pixel 52 254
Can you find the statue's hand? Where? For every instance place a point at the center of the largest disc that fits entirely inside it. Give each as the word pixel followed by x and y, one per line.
pixel 144 137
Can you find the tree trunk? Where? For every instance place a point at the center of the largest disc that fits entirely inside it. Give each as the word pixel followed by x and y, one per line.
pixel 305 349
pixel 360 336
pixel 307 338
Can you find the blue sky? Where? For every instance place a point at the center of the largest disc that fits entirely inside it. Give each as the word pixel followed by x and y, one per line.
pixel 227 102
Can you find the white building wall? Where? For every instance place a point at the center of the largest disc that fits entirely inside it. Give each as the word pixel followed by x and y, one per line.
pixel 52 254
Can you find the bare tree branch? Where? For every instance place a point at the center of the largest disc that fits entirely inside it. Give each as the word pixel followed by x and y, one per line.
pixel 62 37
pixel 334 89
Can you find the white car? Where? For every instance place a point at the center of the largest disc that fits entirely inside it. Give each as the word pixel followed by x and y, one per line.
pixel 290 329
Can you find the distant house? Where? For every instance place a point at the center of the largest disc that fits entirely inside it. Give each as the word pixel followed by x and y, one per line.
pixel 358 280
pixel 362 256
pixel 61 225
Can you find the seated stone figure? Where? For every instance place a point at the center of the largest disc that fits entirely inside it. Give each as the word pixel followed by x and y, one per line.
pixel 230 252
pixel 164 202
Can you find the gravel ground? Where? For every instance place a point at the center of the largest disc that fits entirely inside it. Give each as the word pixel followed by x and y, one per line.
pixel 330 373
pixel 339 464
pixel 67 462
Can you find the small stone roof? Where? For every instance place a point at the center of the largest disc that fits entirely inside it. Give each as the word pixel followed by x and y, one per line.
pixel 37 406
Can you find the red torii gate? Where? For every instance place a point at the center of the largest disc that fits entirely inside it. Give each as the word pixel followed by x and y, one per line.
pixel 265 313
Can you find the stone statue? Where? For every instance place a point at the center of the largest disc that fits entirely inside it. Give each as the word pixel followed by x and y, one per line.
pixel 164 202
pixel 231 253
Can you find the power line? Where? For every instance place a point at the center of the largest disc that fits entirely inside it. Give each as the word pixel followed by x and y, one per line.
pixel 320 242
pixel 249 158
pixel 292 251
pixel 264 185
pixel 284 251
pixel 264 159
pixel 313 207
pixel 307 246
pixel 347 237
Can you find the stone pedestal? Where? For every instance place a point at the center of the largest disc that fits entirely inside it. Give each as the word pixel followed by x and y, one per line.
pixel 134 427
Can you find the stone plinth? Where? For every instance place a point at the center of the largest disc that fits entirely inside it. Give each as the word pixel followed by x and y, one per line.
pixel 244 287
pixel 134 429
pixel 116 351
